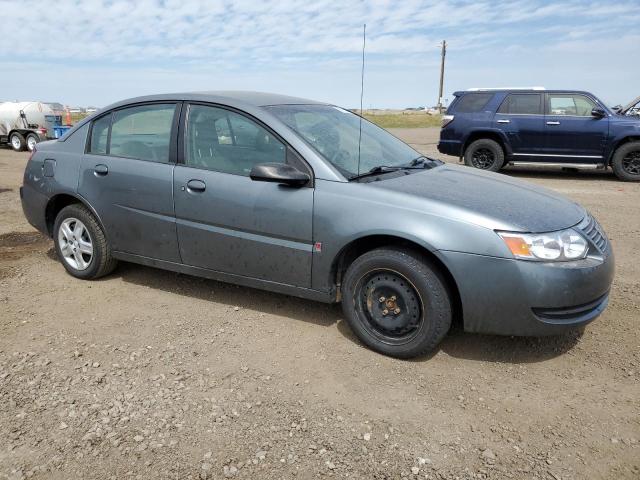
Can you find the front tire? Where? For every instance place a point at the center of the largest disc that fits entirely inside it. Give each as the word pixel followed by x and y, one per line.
pixel 396 302
pixel 626 162
pixel 81 244
pixel 484 154
pixel 17 141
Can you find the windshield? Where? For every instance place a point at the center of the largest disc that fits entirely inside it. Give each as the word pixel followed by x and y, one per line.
pixel 334 132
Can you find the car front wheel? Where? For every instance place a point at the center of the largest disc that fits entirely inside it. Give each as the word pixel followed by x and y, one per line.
pixel 626 162
pixel 396 302
pixel 81 244
pixel 484 154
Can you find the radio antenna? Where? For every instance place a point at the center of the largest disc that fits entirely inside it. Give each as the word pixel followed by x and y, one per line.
pixel 364 43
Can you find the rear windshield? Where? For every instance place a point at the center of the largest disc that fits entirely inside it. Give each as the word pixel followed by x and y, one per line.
pixel 471 102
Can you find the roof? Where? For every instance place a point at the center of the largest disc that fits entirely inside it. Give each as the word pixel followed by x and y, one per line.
pixel 520 89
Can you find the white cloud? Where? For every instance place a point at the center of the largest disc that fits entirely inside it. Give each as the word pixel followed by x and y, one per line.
pixel 181 44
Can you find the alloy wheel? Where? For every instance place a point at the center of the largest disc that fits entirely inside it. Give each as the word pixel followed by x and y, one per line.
pixel 483 158
pixel 75 243
pixel 631 163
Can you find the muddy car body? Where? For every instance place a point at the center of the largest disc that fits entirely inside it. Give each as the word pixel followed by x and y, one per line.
pixel 281 193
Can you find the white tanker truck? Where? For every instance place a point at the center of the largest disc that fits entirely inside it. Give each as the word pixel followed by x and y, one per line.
pixel 23 124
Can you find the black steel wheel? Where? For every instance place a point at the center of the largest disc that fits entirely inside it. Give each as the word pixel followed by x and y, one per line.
pixel 626 162
pixel 484 154
pixel 396 302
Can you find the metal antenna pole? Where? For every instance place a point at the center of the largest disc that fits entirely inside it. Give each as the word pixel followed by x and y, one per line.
pixel 364 42
pixel 444 53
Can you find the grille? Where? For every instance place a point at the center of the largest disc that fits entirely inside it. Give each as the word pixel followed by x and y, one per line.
pixel 593 231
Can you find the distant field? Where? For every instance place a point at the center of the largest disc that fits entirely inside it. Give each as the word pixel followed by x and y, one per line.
pixel 403 120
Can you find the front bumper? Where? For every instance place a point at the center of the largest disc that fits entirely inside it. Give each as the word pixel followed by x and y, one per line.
pixel 516 297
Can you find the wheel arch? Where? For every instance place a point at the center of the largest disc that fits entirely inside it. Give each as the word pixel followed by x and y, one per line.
pixel 61 200
pixel 491 135
pixel 620 142
pixel 361 245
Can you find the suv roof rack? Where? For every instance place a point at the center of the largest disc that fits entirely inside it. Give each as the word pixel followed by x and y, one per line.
pixel 480 89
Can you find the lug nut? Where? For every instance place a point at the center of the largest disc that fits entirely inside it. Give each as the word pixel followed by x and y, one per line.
pixel 385 311
pixel 382 299
pixel 396 311
pixel 393 298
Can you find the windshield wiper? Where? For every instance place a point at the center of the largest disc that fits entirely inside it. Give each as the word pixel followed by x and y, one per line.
pixel 384 169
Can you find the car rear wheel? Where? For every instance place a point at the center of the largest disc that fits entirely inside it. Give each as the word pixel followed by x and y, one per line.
pixel 484 154
pixel 17 142
pixel 81 244
pixel 396 302
pixel 31 141
pixel 626 162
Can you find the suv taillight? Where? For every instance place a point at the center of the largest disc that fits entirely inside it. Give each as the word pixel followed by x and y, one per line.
pixel 446 120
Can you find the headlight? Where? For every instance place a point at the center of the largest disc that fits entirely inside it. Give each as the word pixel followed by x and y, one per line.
pixel 553 246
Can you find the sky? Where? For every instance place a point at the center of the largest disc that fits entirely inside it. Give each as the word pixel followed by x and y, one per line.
pixel 95 52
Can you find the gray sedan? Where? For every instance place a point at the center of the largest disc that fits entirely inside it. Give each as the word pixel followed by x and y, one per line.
pixel 307 199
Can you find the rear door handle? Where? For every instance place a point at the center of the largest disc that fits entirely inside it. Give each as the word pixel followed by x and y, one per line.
pixel 504 121
pixel 100 170
pixel 553 123
pixel 196 186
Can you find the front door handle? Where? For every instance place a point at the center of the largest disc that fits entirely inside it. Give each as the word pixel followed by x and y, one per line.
pixel 196 186
pixel 504 121
pixel 553 123
pixel 100 170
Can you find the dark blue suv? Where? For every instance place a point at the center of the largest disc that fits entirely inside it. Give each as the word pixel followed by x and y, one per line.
pixel 490 128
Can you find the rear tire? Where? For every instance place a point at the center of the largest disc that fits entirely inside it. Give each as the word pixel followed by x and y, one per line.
pixel 396 302
pixel 17 142
pixel 626 162
pixel 81 244
pixel 484 154
pixel 31 141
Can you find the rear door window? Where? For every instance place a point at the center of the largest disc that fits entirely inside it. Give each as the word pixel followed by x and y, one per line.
pixel 522 104
pixel 472 102
pixel 142 132
pixel 100 135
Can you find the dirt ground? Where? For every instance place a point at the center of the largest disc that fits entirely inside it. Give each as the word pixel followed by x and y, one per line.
pixel 149 374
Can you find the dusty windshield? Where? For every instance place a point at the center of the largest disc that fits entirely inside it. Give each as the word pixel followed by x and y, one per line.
pixel 334 133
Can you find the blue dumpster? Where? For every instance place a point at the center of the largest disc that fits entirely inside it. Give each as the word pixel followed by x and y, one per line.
pixel 59 131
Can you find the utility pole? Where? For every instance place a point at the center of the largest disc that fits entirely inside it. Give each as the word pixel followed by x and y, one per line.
pixel 444 53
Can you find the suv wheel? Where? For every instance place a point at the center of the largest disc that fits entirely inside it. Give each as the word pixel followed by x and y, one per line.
pixel 484 154
pixel 81 244
pixel 396 302
pixel 626 162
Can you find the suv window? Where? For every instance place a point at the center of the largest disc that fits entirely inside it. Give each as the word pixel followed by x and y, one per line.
pixel 225 141
pixel 142 132
pixel 100 135
pixel 472 102
pixel 567 104
pixel 522 104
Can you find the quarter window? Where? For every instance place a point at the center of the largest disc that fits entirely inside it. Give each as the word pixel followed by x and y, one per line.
pixel 472 102
pixel 225 141
pixel 100 135
pixel 572 105
pixel 522 104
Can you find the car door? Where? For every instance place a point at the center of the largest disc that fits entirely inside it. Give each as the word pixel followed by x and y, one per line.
pixel 573 134
pixel 228 222
pixel 521 118
pixel 127 176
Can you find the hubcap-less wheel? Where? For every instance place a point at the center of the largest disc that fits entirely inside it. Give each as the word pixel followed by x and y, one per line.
pixel 31 142
pixel 75 243
pixel 390 305
pixel 483 158
pixel 631 163
pixel 16 143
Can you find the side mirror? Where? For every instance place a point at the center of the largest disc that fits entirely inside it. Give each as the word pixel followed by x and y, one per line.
pixel 279 173
pixel 598 112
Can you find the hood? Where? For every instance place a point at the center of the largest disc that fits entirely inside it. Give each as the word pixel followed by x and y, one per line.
pixel 488 199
